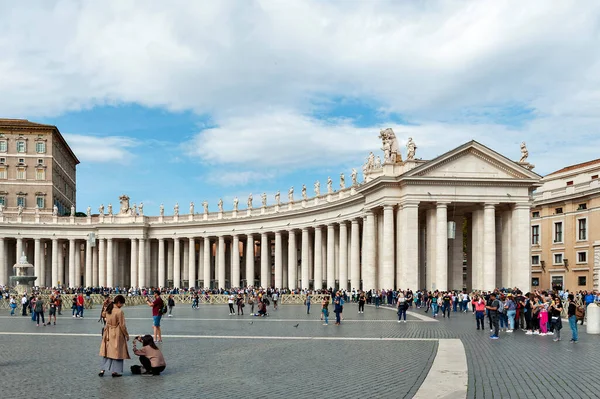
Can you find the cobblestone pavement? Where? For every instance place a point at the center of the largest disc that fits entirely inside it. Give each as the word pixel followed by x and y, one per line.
pixel 212 354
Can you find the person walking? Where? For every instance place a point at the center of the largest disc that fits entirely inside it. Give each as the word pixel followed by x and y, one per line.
pixel 361 302
pixel 40 307
pixel 170 304
pixel 479 306
pixel 493 314
pixel 113 348
pixel 52 310
pixel 230 302
pixel 571 313
pixel 80 303
pixel 555 310
pixel 307 302
pixel 337 303
pixel 13 305
pixel 511 312
pixel 157 312
pixel 325 310
pixel 402 307
pixel 24 303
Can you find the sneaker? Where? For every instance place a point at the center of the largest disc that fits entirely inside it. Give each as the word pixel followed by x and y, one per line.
pixel 494 337
pixel 550 333
pixel 399 321
pixel 325 324
pixel 509 331
pixel 573 341
pixel 536 333
pixel 543 334
pixel 405 321
pixel 556 339
pixel 529 333
pixel 477 328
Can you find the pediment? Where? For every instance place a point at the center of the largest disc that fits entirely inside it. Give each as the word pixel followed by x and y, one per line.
pixel 472 161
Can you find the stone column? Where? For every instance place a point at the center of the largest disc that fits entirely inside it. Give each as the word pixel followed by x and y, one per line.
pixel 3 268
pixel 143 265
pixel 278 260
pixel 19 249
pixel 176 263
pixel 343 263
pixel 292 261
pixel 207 268
pixel 95 271
pixel 61 264
pixel 250 259
pixel 456 273
pixel 265 273
pixel 441 247
pixel 134 263
pixel 110 270
pixel 355 255
pixel 285 260
pixel 221 266
pixel 305 276
pixel 235 262
pixel 521 249
pixel 161 263
pixel 72 252
pixel 370 255
pixel 400 278
pixel 101 261
pixel 386 277
pixel 54 262
pixel 185 268
pixel 192 263
pixel 489 247
pixel 170 259
pixel 318 273
pixel 330 256
pixel 37 261
pixel 46 270
pixel 89 264
pixel 410 246
pixel 506 248
pixel 477 249
pixel 78 263
pixel 430 247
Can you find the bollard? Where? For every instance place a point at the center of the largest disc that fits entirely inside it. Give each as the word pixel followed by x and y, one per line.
pixel 593 319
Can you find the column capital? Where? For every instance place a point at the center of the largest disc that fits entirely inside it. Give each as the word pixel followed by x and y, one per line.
pixel 388 206
pixel 490 205
pixel 354 221
pixel 442 204
pixel 521 206
pixel 410 204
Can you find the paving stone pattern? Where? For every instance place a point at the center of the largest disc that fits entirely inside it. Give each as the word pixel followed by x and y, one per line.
pixel 515 366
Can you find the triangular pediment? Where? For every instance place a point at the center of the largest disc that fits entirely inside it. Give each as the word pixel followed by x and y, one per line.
pixel 472 161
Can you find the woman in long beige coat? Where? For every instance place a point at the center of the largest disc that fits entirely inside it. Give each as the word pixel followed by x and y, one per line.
pixel 113 348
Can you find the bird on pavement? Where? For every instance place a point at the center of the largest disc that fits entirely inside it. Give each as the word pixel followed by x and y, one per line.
pixel 296 326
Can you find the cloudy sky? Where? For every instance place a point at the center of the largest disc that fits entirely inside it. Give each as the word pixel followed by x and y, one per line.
pixel 201 100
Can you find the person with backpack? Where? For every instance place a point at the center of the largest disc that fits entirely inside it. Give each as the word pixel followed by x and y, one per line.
pixel 170 304
pixel 39 311
pixel 158 310
pixel 493 308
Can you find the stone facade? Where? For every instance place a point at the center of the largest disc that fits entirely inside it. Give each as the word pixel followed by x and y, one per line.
pixel 565 228
pixel 37 168
pixel 390 231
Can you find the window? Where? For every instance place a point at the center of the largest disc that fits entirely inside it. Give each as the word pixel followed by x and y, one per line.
pixel 558 211
pixel 40 161
pixel 3 146
pixel 21 146
pixel 535 214
pixel 40 147
pixel 557 283
pixel 558 259
pixel 558 232
pixel 40 174
pixel 21 174
pixel 535 235
pixel 21 161
pixel 3 200
pixel 535 260
pixel 581 280
pixel 2 160
pixel 40 202
pixel 582 207
pixel 3 172
pixel 535 281
pixel 582 257
pixel 21 201
pixel 570 183
pixel 582 229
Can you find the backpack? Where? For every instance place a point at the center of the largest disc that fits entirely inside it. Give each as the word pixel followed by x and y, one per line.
pixel 579 312
pixel 266 301
pixel 500 306
pixel 163 310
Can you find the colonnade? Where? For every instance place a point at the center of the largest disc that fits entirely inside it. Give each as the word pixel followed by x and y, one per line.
pixel 389 246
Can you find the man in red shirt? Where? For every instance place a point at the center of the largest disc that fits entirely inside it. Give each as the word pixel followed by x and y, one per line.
pixel 80 302
pixel 157 307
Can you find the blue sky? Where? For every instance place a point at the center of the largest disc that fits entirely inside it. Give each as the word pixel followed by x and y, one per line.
pixel 206 100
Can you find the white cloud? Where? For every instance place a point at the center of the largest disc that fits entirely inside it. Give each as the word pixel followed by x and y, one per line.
pixel 235 178
pixel 101 149
pixel 429 61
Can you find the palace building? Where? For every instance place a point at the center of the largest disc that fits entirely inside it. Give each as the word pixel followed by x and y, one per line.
pixel 565 229
pixel 409 223
pixel 37 168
